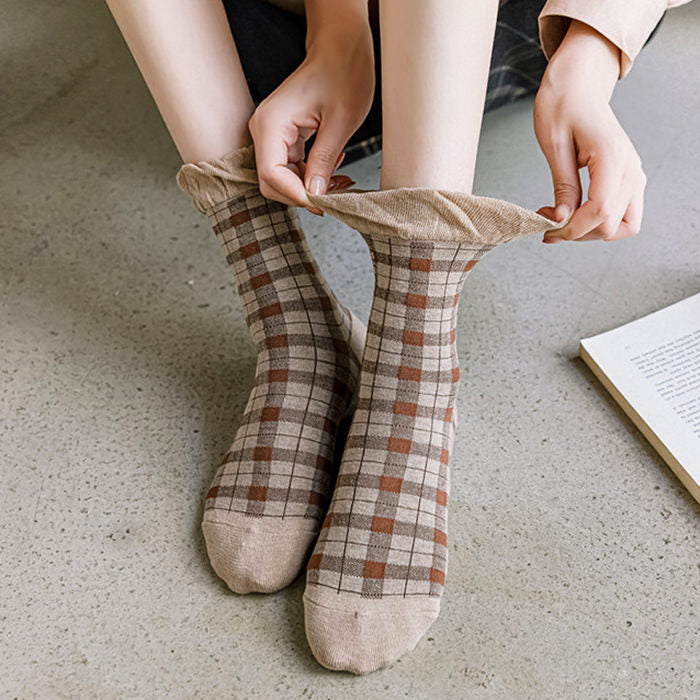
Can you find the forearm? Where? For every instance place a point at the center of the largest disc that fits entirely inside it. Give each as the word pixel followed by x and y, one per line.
pixel 340 18
pixel 587 55
pixel 187 57
pixel 627 25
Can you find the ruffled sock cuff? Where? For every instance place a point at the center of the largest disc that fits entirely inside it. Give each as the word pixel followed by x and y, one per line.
pixel 212 182
pixel 411 213
pixel 421 213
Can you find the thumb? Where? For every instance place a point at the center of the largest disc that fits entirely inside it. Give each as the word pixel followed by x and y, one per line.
pixel 324 156
pixel 567 186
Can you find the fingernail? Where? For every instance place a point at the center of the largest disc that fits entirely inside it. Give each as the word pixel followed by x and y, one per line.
pixel 561 212
pixel 314 210
pixel 551 239
pixel 317 185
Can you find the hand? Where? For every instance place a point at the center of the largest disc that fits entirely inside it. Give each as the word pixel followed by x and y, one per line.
pixel 576 128
pixel 330 94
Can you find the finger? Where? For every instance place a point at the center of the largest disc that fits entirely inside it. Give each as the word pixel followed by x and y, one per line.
pixel 590 237
pixel 277 196
pixel 276 149
pixel 629 204
pixel 325 154
pixel 635 211
pixel 299 168
pixel 337 188
pixel 631 222
pixel 547 212
pixel 270 192
pixel 624 231
pixel 340 182
pixel 549 234
pixel 283 185
pixel 607 229
pixel 296 152
pixel 561 156
pixel 603 200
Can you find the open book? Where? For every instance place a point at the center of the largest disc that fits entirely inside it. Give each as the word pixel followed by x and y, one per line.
pixel 651 367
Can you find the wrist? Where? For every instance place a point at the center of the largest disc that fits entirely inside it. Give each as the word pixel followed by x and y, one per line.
pixel 340 23
pixel 584 57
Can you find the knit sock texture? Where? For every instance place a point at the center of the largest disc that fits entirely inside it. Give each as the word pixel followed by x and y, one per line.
pixel 378 569
pixel 267 500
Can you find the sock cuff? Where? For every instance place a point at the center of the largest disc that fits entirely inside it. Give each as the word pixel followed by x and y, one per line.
pixel 211 182
pixel 410 213
pixel 425 214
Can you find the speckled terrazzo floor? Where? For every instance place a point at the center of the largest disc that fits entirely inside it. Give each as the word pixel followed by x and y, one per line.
pixel 124 364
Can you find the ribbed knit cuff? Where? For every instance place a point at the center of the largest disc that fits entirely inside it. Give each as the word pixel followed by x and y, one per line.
pixel 212 182
pixel 412 213
pixel 421 213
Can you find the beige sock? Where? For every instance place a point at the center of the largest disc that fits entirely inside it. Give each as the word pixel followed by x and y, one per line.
pixel 267 500
pixel 377 572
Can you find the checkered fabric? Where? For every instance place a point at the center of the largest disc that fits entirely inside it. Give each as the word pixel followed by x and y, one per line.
pixel 281 462
pixel 385 533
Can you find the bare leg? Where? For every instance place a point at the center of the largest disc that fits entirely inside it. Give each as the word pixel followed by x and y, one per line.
pixel 189 61
pixel 435 63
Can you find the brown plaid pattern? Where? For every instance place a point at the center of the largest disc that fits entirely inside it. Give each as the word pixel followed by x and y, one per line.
pixel 385 533
pixel 281 462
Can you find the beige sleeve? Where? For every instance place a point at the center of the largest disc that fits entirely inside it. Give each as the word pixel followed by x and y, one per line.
pixel 625 24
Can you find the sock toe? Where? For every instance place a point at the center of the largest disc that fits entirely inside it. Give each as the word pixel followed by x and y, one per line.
pixel 261 556
pixel 361 635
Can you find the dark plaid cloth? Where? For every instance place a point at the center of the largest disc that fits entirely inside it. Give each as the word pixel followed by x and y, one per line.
pixel 270 43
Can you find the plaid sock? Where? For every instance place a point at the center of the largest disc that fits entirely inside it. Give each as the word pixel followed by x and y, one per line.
pixel 377 571
pixel 268 498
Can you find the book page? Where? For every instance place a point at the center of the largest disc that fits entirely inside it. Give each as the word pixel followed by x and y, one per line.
pixel 654 362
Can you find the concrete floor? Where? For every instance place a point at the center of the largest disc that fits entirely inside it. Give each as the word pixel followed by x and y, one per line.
pixel 575 565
